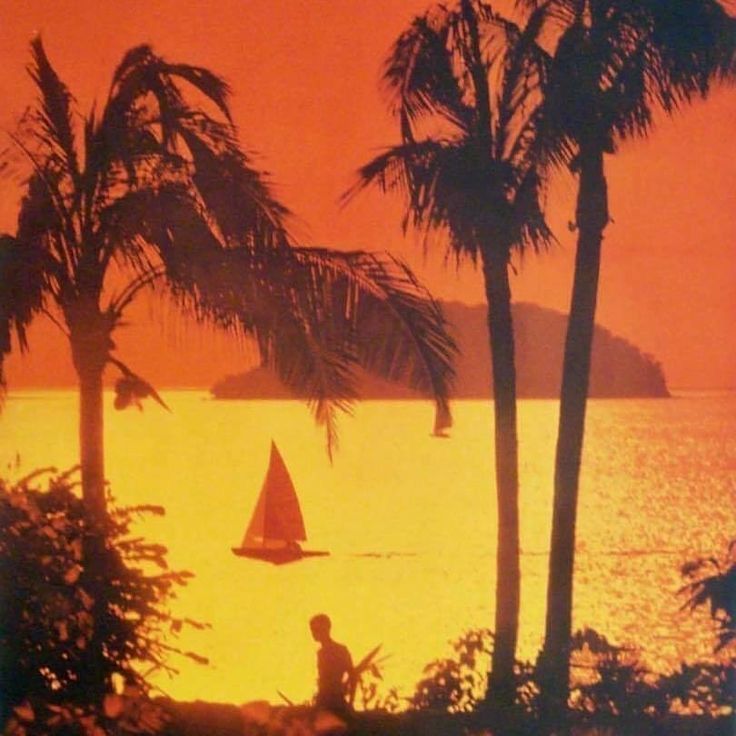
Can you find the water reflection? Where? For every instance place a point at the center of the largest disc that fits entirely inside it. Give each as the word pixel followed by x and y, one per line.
pixel 409 521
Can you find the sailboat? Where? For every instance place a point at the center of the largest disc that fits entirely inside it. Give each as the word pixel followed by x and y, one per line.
pixel 277 525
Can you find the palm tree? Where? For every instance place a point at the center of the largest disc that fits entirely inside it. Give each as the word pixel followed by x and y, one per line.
pixel 615 62
pixel 153 191
pixel 464 84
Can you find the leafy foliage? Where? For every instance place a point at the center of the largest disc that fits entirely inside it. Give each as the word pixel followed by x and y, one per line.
pixel 366 681
pixel 49 596
pixel 119 715
pixel 712 583
pixel 702 688
pixel 609 679
pixel 456 684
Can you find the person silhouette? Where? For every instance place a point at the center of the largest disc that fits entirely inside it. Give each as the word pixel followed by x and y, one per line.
pixel 334 668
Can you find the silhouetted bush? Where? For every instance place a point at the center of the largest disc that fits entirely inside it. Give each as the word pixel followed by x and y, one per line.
pixel 609 679
pixel 712 582
pixel 118 715
pixel 48 594
pixel 702 688
pixel 608 682
pixel 457 684
pixel 369 691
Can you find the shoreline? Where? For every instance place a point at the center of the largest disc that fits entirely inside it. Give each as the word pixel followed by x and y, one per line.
pixel 193 718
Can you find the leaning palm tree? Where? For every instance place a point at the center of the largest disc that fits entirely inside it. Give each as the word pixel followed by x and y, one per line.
pixel 464 82
pixel 616 61
pixel 153 191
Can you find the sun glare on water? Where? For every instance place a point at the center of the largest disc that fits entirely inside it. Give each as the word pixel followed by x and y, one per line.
pixel 409 521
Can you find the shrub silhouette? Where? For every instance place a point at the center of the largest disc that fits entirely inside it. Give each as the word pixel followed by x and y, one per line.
pixel 609 682
pixel 456 684
pixel 47 595
pixel 712 583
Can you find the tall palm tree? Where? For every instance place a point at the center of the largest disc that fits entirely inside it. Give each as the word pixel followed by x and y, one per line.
pixel 615 62
pixel 153 191
pixel 464 85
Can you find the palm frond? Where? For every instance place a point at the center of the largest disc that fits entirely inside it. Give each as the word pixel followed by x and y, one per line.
pixel 172 132
pixel 272 298
pixel 409 169
pixel 55 111
pixel 22 283
pixel 311 362
pixel 466 180
pixel 262 293
pixel 316 314
pixel 521 80
pixel 46 206
pixel 696 41
pixel 237 195
pixel 142 73
pixel 529 223
pixel 419 74
pixel 713 586
pixel 140 226
pixel 140 66
pixel 606 80
pixel 211 85
pixel 393 326
pixel 120 302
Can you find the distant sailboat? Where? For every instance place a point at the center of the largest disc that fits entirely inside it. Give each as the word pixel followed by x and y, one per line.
pixel 277 526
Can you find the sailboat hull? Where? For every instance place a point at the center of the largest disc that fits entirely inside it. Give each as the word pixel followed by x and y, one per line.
pixel 276 526
pixel 277 556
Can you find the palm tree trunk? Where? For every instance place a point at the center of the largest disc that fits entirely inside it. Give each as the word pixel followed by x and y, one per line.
pixel 91 440
pixel 592 218
pixel 90 344
pixel 508 576
pixel 501 682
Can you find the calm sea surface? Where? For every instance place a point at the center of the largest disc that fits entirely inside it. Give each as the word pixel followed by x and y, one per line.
pixel 410 523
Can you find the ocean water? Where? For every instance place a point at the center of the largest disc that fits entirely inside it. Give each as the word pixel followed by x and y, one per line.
pixel 409 521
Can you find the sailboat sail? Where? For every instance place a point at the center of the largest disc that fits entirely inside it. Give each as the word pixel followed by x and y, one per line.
pixel 277 526
pixel 277 518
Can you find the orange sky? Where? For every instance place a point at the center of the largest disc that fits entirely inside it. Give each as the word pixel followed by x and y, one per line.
pixel 305 78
